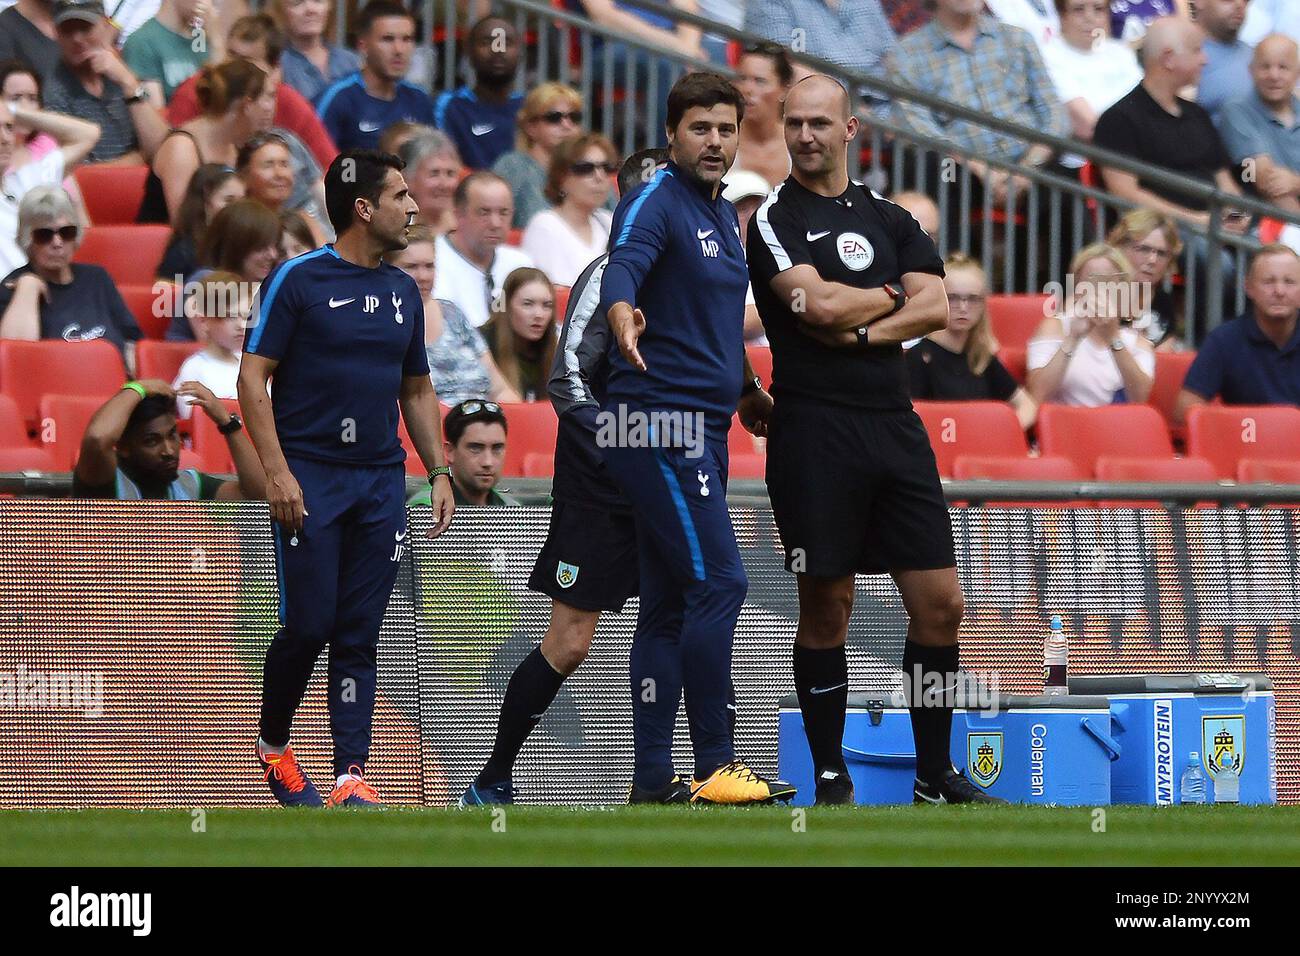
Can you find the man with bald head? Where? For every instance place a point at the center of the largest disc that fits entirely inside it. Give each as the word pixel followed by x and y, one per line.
pixel 842 277
pixel 1262 130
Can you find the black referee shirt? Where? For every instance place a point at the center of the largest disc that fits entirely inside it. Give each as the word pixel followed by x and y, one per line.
pixel 858 239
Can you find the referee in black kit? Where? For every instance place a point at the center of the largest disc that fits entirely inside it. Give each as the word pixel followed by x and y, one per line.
pixel 842 278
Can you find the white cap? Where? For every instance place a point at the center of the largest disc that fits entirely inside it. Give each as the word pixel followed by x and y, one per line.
pixel 742 183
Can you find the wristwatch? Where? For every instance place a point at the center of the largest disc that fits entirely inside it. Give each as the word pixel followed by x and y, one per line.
pixel 1117 345
pixel 140 95
pixel 233 425
pixel 754 384
pixel 863 339
pixel 897 294
pixel 439 472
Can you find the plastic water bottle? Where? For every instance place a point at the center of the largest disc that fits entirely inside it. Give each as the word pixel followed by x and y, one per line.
pixel 1192 787
pixel 1056 654
pixel 1227 784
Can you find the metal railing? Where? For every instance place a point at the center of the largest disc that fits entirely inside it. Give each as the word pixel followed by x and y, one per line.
pixel 1023 242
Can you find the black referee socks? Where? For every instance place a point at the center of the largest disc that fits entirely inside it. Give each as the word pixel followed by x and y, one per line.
pixel 821 679
pixel 930 669
pixel 532 687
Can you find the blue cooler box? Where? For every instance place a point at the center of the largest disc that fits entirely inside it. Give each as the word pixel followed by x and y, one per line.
pixel 1159 719
pixel 1049 750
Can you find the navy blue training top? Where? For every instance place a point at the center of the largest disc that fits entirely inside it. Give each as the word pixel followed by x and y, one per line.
pixel 1238 363
pixel 355 119
pixel 481 131
pixel 344 336
pixel 676 255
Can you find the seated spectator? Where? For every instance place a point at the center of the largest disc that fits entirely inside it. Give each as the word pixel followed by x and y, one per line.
pixel 1039 18
pixel 459 361
pixel 551 113
pixel 474 436
pixel 923 209
pixel 562 240
pixel 243 238
pixel 212 188
pixel 266 165
pixel 296 236
pixel 357 108
pixel 473 261
pixel 1086 356
pixel 960 363
pixel 521 334
pixel 481 120
pixel 763 76
pixel 131 449
pixel 746 191
pixel 1252 360
pixel 256 39
pixel 1090 70
pixel 1226 75
pixel 27 34
pixel 311 63
pixel 51 297
pixel 219 305
pixel 853 33
pixel 163 54
pixel 93 83
pixel 1129 19
pixel 1271 16
pixel 1262 130
pixel 394 137
pixel 238 101
pixel 433 169
pixel 20 85
pixel 1151 244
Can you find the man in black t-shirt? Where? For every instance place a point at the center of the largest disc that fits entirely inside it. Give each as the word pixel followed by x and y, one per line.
pixel 842 278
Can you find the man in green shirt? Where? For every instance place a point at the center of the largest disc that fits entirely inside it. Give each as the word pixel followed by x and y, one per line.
pixel 474 434
pixel 173 46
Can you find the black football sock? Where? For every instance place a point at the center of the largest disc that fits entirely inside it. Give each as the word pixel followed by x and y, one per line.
pixel 930 704
pixel 821 679
pixel 532 687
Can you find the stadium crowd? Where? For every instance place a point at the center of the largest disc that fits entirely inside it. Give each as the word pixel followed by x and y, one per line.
pixel 213 124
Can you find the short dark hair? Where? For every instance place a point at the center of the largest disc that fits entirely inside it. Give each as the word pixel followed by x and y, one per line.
pixel 457 420
pixel 367 169
pixel 150 407
pixel 461 196
pixel 633 171
pixel 704 89
pixel 259 28
pixel 565 155
pixel 256 142
pixel 377 10
pixel 15 66
pixel 780 59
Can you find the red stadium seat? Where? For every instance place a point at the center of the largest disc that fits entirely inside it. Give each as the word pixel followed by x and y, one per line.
pixel 751 465
pixel 1086 434
pixel 29 370
pixel 532 427
pixel 514 237
pixel 1156 470
pixel 1225 434
pixel 1045 468
pixel 130 253
pixel 63 424
pixel 1015 318
pixel 1015 361
pixel 760 359
pixel 140 299
pixel 17 452
pixel 28 458
pixel 13 426
pixel 977 428
pixel 1171 369
pixel 561 302
pixel 156 359
pixel 739 440
pixel 210 446
pixel 112 193
pixel 413 464
pixel 1261 471
pixel 539 464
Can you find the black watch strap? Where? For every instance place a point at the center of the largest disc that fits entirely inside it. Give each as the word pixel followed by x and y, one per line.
pixel 752 385
pixel 898 295
pixel 233 425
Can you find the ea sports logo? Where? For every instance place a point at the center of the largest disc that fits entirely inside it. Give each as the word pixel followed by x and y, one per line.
pixel 855 251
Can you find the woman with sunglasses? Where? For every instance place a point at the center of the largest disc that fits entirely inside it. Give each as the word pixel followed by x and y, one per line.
pixel 564 239
pixel 551 113
pixel 51 297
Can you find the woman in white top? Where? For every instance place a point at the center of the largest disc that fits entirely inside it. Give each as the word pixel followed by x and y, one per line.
pixel 1085 356
pixel 563 240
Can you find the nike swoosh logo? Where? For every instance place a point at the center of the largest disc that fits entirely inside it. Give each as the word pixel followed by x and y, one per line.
pixel 814 236
pixel 366 127
pixel 826 690
pixel 703 233
pixel 938 799
pixel 399 535
pixel 335 303
pixel 481 129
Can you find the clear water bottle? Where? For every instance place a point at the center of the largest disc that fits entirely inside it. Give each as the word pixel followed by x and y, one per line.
pixel 1056 655
pixel 1227 784
pixel 1192 788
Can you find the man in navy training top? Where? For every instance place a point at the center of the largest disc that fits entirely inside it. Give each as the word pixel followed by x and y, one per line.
pixel 674 295
pixel 358 108
pixel 481 121
pixel 340 333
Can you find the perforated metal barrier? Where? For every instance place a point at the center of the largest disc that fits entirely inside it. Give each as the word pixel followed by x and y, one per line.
pixel 168 608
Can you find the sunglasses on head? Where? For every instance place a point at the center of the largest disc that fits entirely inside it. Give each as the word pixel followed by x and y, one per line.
pixel 473 408
pixel 555 117
pixel 43 237
pixel 586 168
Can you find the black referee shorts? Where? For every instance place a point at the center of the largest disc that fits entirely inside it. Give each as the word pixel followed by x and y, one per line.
pixel 589 558
pixel 855 491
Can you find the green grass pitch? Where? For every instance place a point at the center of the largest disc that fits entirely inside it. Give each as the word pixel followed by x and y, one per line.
pixel 947 836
